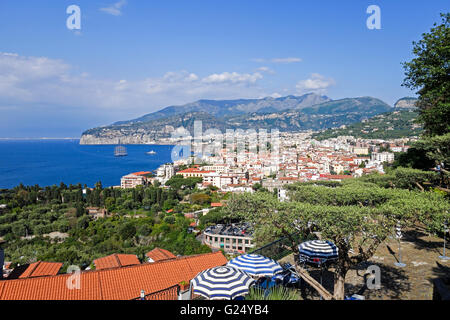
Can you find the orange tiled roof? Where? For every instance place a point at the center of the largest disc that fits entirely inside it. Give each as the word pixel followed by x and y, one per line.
pixel 194 170
pixel 112 284
pixel 41 269
pixel 159 254
pixel 141 173
pixel 216 204
pixel 116 261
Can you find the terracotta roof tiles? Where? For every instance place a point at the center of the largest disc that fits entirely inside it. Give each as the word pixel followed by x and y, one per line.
pixel 112 284
pixel 116 261
pixel 41 269
pixel 159 254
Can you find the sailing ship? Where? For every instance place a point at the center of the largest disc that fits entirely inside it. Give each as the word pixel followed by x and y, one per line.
pixel 120 151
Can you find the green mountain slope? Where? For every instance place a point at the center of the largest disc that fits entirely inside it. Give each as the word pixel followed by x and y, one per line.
pixel 390 125
pixel 149 129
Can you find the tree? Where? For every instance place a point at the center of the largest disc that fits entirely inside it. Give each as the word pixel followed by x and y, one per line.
pixel 356 219
pixel 200 198
pixel 429 73
pixel 127 231
pixel 425 152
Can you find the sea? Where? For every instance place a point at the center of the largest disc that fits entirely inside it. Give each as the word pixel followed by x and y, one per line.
pixel 47 162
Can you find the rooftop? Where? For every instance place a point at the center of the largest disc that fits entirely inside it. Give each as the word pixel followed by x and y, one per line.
pixel 235 230
pixel 159 254
pixel 36 269
pixel 112 284
pixel 116 261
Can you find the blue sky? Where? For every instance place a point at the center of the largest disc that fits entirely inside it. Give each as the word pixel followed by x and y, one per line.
pixel 134 57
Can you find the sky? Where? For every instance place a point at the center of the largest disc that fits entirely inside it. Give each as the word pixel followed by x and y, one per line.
pixel 133 57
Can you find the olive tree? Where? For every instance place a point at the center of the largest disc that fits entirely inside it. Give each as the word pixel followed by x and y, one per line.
pixel 357 220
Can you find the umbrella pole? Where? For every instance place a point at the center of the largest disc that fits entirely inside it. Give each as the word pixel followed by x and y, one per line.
pixel 321 273
pixel 444 257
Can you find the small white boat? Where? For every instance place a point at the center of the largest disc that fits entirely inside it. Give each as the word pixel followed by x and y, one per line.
pixel 151 152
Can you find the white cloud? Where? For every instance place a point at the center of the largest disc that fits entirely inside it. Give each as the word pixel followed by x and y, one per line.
pixel 286 60
pixel 315 83
pixel 233 77
pixel 277 60
pixel 31 81
pixel 266 70
pixel 115 9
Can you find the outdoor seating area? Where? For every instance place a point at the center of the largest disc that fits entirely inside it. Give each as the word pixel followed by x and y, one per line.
pixel 241 229
pixel 234 280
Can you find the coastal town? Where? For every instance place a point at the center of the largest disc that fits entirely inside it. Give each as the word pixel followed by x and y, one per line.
pixel 240 151
pixel 299 159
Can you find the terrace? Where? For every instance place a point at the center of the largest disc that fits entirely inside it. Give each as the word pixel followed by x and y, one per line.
pixel 232 238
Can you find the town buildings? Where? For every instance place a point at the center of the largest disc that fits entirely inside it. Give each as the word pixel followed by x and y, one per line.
pixel 135 179
pixel 297 158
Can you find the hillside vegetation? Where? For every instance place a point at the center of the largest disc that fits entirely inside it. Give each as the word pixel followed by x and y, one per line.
pixel 390 125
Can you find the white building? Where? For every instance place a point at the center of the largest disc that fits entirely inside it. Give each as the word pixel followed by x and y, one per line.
pixel 282 195
pixel 383 157
pixel 165 172
pixel 133 180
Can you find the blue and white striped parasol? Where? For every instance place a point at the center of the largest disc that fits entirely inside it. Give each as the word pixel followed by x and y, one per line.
pixel 318 250
pixel 256 265
pixel 222 283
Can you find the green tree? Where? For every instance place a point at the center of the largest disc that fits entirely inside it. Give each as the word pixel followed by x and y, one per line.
pixel 127 231
pixel 343 216
pixel 429 73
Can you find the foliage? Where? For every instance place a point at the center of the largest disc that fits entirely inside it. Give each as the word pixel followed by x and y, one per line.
pixel 403 178
pixel 389 125
pixel 357 219
pixel 275 293
pixel 425 152
pixel 200 198
pixel 177 182
pixel 33 213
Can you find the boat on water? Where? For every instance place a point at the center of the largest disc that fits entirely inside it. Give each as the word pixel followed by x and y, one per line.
pixel 120 151
pixel 151 152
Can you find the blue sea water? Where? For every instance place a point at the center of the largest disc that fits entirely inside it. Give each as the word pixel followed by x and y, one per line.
pixel 49 162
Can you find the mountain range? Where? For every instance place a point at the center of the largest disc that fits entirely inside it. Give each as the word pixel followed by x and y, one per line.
pixel 291 113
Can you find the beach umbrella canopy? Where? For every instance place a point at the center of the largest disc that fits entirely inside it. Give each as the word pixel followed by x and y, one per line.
pixel 256 265
pixel 318 250
pixel 223 282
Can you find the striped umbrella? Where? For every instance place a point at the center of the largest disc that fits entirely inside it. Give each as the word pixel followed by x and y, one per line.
pixel 222 283
pixel 318 250
pixel 256 265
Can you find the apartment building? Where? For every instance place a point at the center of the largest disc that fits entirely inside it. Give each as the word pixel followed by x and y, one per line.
pixel 383 157
pixel 135 179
